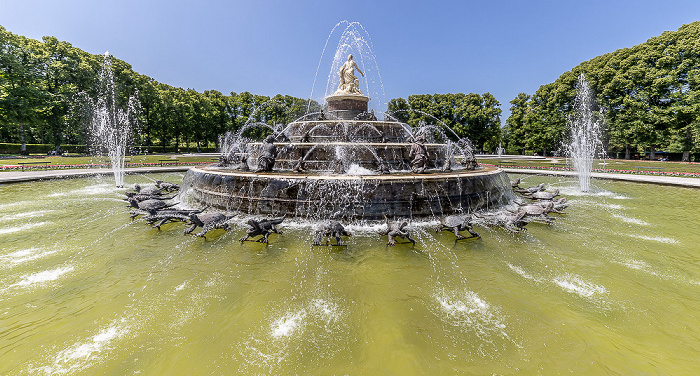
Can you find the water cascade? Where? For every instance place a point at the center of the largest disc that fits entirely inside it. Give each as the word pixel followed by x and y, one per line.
pixel 585 127
pixel 348 161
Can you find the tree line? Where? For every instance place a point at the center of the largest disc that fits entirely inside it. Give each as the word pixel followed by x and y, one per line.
pixel 41 82
pixel 475 116
pixel 650 95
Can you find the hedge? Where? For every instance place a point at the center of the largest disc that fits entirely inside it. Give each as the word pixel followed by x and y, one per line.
pixel 6 148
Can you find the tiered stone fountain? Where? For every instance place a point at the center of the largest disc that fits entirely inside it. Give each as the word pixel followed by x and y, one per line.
pixel 345 164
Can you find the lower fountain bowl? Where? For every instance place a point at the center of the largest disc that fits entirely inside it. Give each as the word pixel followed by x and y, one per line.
pixel 348 197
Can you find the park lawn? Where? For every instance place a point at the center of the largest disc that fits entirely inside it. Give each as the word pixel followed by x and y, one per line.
pixel 87 160
pixel 610 164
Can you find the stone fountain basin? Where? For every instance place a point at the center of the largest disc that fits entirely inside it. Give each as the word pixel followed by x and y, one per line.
pixel 349 197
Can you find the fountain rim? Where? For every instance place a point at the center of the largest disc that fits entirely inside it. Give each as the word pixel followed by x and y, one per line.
pixel 485 171
pixel 347 143
pixel 355 97
pixel 347 121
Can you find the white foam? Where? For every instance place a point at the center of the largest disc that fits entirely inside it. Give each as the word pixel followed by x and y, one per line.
pixel 288 323
pixel 613 206
pixel 45 276
pixel 32 214
pixel 521 272
pixel 635 264
pixel 570 190
pixel 577 285
pixel 316 310
pixel 15 204
pixel 638 265
pixel 359 170
pixel 181 286
pixel 324 307
pixel 9 230
pixel 659 239
pixel 468 311
pixel 634 221
pixel 98 189
pixel 24 255
pixel 356 228
pixel 78 356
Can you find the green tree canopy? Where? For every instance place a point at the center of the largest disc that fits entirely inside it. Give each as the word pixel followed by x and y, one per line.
pixel 649 93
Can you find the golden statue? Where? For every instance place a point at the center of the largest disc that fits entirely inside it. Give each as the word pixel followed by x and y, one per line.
pixel 349 84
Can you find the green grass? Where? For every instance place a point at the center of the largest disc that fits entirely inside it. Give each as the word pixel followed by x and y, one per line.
pixel 610 164
pixel 86 160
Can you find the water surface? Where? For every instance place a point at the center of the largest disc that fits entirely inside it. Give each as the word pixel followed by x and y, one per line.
pixel 613 287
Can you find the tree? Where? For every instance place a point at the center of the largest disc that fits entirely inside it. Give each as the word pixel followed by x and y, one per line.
pixel 515 136
pixel 21 98
pixel 398 109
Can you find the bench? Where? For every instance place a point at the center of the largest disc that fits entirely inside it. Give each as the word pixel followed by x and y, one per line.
pixel 165 161
pixel 640 168
pixel 32 163
pixel 506 163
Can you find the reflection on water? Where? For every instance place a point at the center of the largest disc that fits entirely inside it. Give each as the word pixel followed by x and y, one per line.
pixel 83 290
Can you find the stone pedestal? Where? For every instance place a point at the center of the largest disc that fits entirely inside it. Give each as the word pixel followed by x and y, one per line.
pixel 347 106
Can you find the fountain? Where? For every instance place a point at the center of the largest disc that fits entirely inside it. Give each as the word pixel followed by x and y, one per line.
pixel 345 163
pixel 111 127
pixel 87 291
pixel 585 127
pixel 500 150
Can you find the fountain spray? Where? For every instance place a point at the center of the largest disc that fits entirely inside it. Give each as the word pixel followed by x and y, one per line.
pixel 111 127
pixel 585 133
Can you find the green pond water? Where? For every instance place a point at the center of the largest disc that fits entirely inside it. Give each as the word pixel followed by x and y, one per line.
pixel 613 287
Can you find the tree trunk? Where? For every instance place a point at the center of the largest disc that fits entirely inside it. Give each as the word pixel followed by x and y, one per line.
pixel 652 153
pixel 688 145
pixel 628 151
pixel 23 148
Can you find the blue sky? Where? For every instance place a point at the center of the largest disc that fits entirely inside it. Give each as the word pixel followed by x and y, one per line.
pixel 269 47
